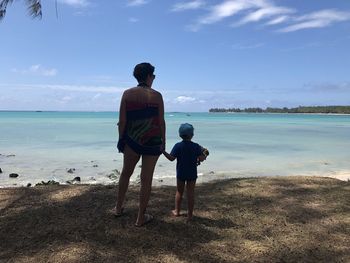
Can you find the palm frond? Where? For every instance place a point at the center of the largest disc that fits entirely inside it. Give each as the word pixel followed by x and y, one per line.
pixel 34 7
pixel 3 6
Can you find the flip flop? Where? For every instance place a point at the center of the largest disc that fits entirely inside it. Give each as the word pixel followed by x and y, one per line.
pixel 148 219
pixel 114 212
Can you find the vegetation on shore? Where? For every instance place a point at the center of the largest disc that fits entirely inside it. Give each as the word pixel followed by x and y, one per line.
pixel 276 219
pixel 300 109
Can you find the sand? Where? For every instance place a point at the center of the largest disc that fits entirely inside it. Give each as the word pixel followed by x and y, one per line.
pixel 266 219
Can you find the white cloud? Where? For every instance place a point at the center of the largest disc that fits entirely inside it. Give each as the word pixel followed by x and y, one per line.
pixel 224 10
pixel 277 20
pixel 66 98
pixel 191 5
pixel 136 2
pixel 317 19
pixel 184 99
pixel 82 88
pixel 252 46
pixel 133 20
pixel 78 88
pixel 263 13
pixel 37 70
pixel 258 10
pixel 96 96
pixel 75 3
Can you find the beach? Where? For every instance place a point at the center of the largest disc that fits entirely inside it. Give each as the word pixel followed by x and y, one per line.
pixel 265 219
pixel 275 188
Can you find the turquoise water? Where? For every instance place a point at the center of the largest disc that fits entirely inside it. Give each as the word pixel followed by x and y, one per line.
pixel 46 144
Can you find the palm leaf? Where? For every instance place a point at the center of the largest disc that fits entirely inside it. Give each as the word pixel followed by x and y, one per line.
pixel 34 8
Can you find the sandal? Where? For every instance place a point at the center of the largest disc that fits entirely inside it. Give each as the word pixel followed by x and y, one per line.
pixel 148 219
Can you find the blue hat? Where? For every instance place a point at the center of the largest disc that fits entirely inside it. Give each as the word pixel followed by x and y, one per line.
pixel 186 129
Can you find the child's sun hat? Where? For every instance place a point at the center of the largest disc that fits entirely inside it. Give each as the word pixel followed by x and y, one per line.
pixel 186 129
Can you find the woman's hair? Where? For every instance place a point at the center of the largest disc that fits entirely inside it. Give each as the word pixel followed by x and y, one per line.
pixel 142 71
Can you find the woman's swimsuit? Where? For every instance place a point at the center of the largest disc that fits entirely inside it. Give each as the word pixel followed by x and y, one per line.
pixel 142 131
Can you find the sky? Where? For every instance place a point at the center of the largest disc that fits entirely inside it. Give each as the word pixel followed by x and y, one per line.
pixel 207 54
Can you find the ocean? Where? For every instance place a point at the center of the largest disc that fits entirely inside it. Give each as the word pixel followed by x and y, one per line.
pixel 42 146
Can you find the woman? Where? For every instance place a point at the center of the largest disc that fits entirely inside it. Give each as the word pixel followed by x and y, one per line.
pixel 141 133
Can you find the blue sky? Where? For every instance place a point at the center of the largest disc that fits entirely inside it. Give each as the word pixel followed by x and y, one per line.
pixel 218 53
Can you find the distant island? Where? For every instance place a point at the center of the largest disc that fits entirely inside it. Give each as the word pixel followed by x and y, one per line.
pixel 300 109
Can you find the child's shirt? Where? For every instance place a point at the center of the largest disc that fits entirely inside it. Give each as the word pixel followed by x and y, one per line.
pixel 186 153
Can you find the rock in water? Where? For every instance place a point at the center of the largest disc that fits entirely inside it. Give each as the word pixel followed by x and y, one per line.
pixel 95 165
pixel 13 175
pixel 75 180
pixel 29 185
pixel 71 170
pixel 116 171
pixel 0 171
pixel 113 176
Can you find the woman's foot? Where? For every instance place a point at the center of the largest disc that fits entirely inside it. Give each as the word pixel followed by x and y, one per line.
pixel 117 213
pixel 147 219
pixel 175 213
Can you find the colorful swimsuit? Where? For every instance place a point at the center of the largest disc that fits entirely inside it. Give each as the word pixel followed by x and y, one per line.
pixel 142 131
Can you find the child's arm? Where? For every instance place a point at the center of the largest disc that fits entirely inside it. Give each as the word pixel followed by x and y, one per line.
pixel 169 156
pixel 201 158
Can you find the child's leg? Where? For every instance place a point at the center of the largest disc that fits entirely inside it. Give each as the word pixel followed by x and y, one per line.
pixel 190 197
pixel 180 186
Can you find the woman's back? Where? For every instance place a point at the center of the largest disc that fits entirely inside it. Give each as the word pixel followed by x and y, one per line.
pixel 143 131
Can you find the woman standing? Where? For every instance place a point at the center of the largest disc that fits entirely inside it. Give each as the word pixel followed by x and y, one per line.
pixel 141 133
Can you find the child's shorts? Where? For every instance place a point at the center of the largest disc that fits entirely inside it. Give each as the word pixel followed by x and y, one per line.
pixel 187 178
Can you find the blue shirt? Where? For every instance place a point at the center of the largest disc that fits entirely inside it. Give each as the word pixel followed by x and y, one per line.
pixel 186 153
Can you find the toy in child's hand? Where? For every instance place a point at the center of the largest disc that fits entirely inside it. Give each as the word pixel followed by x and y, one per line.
pixel 205 152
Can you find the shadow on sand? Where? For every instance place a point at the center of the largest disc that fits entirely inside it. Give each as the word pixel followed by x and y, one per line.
pixel 239 220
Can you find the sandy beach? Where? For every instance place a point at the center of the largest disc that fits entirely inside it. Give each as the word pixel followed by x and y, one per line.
pixel 267 219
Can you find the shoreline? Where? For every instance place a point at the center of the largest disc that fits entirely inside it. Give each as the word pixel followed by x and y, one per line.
pixel 203 178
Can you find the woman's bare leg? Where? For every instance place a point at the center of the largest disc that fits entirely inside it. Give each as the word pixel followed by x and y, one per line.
pixel 130 160
pixel 190 198
pixel 148 165
pixel 180 186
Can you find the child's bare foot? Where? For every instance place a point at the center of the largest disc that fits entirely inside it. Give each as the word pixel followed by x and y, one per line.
pixel 175 213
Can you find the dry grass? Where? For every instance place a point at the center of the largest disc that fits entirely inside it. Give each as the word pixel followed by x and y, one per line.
pixel 293 219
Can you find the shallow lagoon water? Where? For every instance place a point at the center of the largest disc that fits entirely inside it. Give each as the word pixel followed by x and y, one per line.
pixel 46 144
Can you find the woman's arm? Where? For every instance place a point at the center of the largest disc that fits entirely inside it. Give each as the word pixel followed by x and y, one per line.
pixel 122 116
pixel 162 121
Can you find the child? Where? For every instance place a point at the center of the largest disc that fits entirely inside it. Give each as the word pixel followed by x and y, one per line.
pixel 188 155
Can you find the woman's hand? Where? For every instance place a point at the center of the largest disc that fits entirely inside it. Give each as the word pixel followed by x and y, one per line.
pixel 162 147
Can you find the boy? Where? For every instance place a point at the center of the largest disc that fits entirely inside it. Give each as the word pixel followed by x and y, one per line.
pixel 188 155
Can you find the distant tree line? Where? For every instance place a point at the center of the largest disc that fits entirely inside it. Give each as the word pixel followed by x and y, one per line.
pixel 300 109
